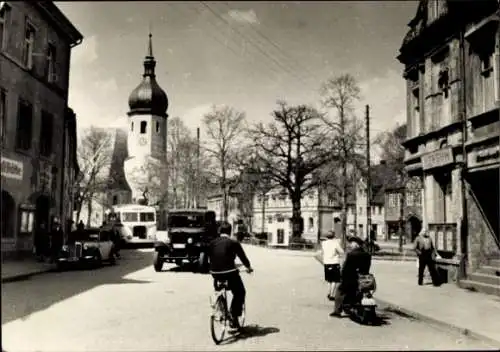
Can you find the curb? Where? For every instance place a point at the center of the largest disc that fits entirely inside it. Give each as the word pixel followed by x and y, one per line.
pixel 438 323
pixel 433 321
pixel 25 276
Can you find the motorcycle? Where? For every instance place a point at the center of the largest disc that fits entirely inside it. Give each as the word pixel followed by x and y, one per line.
pixel 363 309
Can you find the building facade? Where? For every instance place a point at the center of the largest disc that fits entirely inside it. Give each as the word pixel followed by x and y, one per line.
pixel 215 202
pixel 36 127
pixel 273 215
pixel 410 212
pixel 452 58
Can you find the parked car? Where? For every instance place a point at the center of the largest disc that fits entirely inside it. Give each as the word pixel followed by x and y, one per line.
pixel 88 246
pixel 189 232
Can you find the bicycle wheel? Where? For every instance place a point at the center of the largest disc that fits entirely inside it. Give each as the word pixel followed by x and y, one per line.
pixel 218 320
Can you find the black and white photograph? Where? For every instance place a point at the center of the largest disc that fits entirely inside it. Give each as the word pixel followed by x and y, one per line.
pixel 250 175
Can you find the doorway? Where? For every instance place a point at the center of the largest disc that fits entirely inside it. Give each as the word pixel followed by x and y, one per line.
pixel 414 227
pixel 42 211
pixel 485 189
pixel 8 206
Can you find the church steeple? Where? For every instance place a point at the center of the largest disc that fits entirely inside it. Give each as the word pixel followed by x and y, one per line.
pixel 149 61
pixel 148 97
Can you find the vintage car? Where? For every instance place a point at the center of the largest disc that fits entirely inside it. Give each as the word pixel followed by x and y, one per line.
pixel 89 246
pixel 189 231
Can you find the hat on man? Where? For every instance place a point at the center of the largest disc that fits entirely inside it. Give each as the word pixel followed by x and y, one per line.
pixel 355 239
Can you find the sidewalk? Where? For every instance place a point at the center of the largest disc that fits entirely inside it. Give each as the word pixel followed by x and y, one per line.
pixel 14 270
pixel 447 306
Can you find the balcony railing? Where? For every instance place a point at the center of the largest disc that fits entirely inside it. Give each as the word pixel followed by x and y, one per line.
pixel 445 237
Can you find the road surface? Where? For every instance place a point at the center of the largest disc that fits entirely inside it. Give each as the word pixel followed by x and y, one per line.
pixel 130 307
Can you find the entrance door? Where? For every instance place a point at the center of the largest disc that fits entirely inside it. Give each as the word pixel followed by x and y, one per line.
pixel 415 225
pixel 42 211
pixel 485 188
pixel 8 206
pixel 281 236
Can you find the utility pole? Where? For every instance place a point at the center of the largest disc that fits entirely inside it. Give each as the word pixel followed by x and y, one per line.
pixel 344 180
pixel 368 180
pixel 197 194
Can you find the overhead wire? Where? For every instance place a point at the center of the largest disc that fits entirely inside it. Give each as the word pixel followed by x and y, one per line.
pixel 264 53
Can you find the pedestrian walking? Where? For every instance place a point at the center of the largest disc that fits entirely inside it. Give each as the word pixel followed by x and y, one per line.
pixel 427 255
pixel 332 252
pixel 56 239
pixel 80 226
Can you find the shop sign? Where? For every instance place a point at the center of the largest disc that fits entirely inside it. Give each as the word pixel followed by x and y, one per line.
pixel 438 158
pixel 485 154
pixel 12 169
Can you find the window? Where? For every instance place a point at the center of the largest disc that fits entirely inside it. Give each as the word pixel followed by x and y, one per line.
pixel 311 223
pixel 115 200
pixel 3 115
pixel 157 126
pixel 51 63
pixel 46 134
pixel 360 210
pixel 29 41
pixel 410 199
pixel 131 126
pixel 24 126
pixel 280 218
pixel 269 219
pixel 27 219
pixel 129 217
pixel 4 21
pixel 144 125
pixel 147 217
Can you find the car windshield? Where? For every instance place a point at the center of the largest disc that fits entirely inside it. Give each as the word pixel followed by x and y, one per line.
pixel 185 220
pixel 85 235
pixel 129 217
pixel 147 217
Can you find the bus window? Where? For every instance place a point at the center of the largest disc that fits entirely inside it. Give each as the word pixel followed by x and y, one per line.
pixel 147 217
pixel 129 217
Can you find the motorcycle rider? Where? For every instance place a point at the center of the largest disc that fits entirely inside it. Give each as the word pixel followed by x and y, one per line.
pixel 222 252
pixel 357 262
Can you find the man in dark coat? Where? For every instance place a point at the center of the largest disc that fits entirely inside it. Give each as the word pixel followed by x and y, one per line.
pixel 56 238
pixel 41 242
pixel 357 262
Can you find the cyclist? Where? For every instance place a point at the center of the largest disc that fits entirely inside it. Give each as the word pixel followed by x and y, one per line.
pixel 222 252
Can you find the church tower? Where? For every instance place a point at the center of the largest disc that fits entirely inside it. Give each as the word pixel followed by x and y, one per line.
pixel 147 130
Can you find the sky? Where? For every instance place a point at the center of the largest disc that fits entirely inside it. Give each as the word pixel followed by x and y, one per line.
pixel 242 54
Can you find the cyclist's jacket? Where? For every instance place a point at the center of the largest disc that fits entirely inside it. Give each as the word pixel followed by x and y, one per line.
pixel 222 253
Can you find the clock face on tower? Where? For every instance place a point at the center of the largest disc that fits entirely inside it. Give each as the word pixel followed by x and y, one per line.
pixel 142 141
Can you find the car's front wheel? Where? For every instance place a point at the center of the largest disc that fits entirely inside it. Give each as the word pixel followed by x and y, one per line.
pixel 157 261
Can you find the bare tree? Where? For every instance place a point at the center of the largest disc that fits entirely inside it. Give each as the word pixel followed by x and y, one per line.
pixel 224 127
pixel 341 94
pixel 292 149
pixel 94 158
pixel 147 179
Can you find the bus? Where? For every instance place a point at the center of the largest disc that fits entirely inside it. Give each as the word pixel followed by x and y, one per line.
pixel 137 223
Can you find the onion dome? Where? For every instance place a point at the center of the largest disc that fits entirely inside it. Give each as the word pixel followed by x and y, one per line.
pixel 148 98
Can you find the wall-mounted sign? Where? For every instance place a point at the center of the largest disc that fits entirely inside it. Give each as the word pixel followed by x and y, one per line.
pixel 12 169
pixel 438 158
pixel 490 153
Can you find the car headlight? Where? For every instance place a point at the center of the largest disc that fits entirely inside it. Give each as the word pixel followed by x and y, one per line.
pixel 65 248
pixel 86 246
pixel 190 240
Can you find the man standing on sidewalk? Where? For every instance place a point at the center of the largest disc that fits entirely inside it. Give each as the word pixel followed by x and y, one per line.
pixel 427 254
pixel 57 239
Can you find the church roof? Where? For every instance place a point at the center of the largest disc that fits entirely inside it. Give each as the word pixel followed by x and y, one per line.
pixel 148 98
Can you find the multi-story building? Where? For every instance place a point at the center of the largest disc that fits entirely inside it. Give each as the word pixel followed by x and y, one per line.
pixel 37 128
pixel 410 212
pixel 215 202
pixel 357 205
pixel 273 215
pixel 451 56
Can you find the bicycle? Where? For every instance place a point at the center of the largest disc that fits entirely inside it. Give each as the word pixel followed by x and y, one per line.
pixel 221 314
